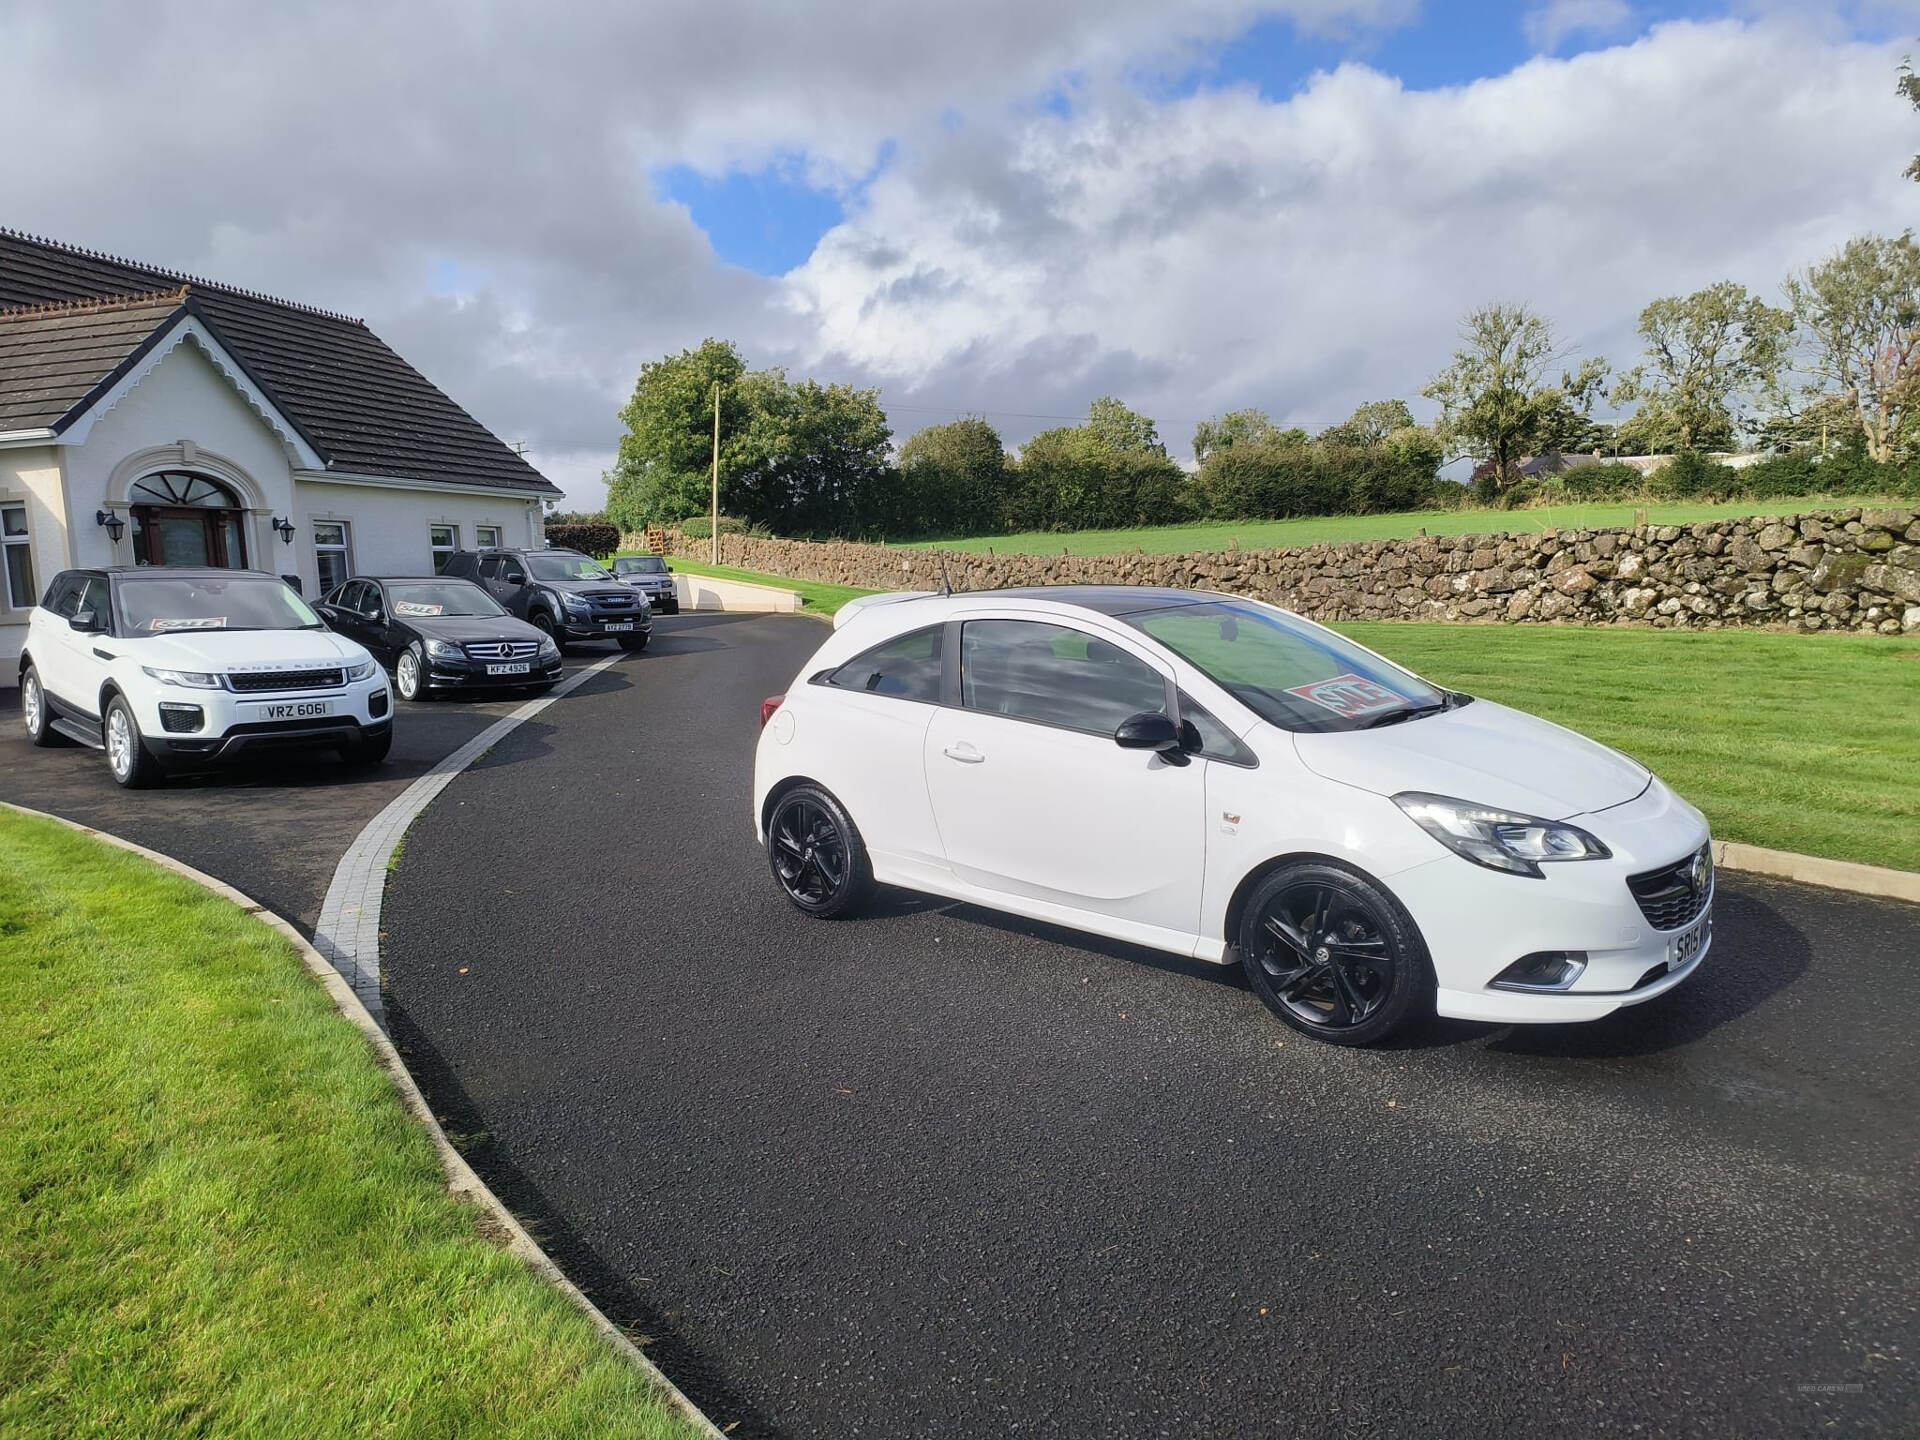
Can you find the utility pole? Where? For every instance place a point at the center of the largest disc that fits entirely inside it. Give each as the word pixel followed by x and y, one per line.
pixel 716 474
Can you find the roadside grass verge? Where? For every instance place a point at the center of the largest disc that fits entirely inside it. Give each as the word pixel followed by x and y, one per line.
pixel 1335 529
pixel 1794 742
pixel 215 1216
pixel 817 596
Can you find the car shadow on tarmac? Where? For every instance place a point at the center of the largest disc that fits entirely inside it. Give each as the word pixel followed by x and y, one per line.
pixel 615 1294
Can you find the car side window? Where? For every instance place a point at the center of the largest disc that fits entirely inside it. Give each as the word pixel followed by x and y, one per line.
pixel 1216 741
pixel 92 597
pixel 370 602
pixel 1029 670
pixel 347 597
pixel 62 595
pixel 490 567
pixel 511 570
pixel 906 667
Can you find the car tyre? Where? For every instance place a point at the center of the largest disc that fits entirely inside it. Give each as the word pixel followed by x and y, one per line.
pixel 1334 955
pixel 128 762
pixel 543 622
pixel 35 711
pixel 366 752
pixel 410 674
pixel 816 854
pixel 634 643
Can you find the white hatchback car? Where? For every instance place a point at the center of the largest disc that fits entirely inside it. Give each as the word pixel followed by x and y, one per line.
pixel 172 668
pixel 1220 778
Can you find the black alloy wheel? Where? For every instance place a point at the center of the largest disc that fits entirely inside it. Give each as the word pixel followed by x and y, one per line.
pixel 1334 955
pixel 816 854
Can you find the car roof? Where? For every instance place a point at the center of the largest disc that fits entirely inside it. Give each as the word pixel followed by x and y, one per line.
pixel 180 572
pixel 1106 599
pixel 412 579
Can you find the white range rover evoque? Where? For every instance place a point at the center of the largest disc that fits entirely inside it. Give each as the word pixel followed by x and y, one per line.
pixel 175 668
pixel 1220 778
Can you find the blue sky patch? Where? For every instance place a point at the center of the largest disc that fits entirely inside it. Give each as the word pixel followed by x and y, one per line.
pixel 768 221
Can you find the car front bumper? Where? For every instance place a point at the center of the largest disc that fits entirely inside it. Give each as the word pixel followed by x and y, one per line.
pixel 573 627
pixel 472 674
pixel 1477 922
pixel 231 724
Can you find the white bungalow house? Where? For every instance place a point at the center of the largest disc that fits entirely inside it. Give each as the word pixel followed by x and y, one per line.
pixel 149 418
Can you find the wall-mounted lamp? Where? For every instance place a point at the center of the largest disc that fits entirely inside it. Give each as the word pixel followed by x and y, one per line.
pixel 113 523
pixel 285 527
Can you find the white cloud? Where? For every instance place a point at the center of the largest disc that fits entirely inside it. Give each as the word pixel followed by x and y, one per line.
pixel 1546 26
pixel 472 178
pixel 1305 255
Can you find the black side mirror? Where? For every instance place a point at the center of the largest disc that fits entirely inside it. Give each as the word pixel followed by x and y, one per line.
pixel 1151 730
pixel 86 622
pixel 516 579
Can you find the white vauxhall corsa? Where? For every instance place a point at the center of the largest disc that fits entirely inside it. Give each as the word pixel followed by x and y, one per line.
pixel 173 668
pixel 1220 778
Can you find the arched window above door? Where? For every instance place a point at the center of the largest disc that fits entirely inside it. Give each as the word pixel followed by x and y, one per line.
pixel 180 518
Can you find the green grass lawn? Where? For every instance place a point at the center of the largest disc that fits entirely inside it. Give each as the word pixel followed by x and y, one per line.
pixel 1795 742
pixel 1280 534
pixel 215 1217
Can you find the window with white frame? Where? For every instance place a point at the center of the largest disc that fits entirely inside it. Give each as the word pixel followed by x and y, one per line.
pixel 486 537
pixel 445 539
pixel 16 557
pixel 332 553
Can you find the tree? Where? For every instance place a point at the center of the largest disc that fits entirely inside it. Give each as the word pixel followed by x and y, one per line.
pixel 1908 85
pixel 664 467
pixel 1240 427
pixel 1705 353
pixel 1370 424
pixel 813 459
pixel 953 480
pixel 1119 430
pixel 1859 310
pixel 1495 400
pixel 1108 473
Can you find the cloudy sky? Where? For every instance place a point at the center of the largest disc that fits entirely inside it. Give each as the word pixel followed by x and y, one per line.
pixel 1003 207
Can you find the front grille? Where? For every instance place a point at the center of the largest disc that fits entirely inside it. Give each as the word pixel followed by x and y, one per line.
pixel 612 599
pixel 1675 894
pixel 253 681
pixel 504 650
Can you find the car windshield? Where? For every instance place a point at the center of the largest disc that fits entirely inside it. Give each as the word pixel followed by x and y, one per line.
pixel 640 565
pixel 430 598
pixel 1289 673
pixel 565 567
pixel 163 603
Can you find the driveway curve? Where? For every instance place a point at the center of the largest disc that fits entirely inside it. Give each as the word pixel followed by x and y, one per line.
pixel 935 1172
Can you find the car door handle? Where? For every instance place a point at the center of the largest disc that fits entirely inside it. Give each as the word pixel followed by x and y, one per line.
pixel 964 753
pixel 104 654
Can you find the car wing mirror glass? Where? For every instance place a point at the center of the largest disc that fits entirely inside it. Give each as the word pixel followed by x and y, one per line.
pixel 1149 730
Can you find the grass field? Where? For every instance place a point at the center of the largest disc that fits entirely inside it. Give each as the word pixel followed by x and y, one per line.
pixel 217 1218
pixel 1795 742
pixel 1314 530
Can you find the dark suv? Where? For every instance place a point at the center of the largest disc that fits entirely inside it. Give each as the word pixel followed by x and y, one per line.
pixel 565 593
pixel 652 577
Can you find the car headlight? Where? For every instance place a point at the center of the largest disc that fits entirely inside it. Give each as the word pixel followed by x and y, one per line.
pixel 1499 839
pixel 191 679
pixel 574 603
pixel 548 649
pixel 363 671
pixel 443 650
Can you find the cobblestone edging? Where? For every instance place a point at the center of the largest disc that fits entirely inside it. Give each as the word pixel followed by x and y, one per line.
pixel 1854 569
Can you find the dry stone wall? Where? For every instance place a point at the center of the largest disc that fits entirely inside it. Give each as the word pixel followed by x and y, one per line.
pixel 1856 570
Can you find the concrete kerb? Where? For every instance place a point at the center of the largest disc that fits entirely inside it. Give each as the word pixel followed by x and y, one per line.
pixel 348 932
pixel 461 1179
pixel 1875 880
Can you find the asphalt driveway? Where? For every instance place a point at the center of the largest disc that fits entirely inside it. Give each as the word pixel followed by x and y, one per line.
pixel 932 1172
pixel 274 829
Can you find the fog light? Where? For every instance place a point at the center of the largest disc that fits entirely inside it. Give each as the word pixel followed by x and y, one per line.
pixel 377 704
pixel 181 719
pixel 1543 970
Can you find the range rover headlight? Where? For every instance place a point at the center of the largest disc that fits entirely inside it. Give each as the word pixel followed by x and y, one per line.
pixel 363 671
pixel 1499 839
pixel 191 679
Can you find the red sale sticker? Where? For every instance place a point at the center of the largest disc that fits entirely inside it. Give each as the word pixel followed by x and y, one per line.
pixel 1349 695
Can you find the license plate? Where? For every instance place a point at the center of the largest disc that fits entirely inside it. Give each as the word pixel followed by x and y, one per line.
pixel 613 625
pixel 294 709
pixel 516 667
pixel 1683 948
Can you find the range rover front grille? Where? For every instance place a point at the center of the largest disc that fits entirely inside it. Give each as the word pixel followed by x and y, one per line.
pixel 255 681
pixel 504 649
pixel 1674 895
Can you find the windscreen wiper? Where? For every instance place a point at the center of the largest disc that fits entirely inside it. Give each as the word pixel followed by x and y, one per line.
pixel 1394 717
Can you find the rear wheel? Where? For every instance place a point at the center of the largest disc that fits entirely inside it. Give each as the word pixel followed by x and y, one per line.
pixel 127 758
pixel 33 709
pixel 816 853
pixel 1334 955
